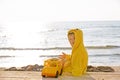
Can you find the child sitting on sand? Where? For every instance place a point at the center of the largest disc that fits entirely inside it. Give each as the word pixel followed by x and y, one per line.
pixel 76 63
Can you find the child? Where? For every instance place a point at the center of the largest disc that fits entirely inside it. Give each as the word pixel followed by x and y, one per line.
pixel 76 63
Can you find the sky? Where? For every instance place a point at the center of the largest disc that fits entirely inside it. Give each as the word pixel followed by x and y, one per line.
pixel 36 13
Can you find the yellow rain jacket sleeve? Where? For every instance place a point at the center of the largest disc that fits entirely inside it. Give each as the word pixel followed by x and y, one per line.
pixel 77 62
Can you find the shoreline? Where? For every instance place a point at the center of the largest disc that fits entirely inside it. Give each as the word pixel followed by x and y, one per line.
pixel 37 67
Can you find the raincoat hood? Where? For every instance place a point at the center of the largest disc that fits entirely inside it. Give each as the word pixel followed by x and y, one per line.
pixel 78 37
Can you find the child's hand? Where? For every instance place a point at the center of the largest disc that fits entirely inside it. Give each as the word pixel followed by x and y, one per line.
pixel 62 56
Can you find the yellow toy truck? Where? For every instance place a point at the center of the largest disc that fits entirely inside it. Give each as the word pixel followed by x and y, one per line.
pixel 52 68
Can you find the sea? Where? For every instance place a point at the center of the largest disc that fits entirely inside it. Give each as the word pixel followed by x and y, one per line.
pixel 22 46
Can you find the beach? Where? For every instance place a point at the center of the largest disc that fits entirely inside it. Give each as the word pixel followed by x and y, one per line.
pixel 33 31
pixel 36 75
pixel 101 39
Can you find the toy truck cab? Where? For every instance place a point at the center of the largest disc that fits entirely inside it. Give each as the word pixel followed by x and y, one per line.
pixel 52 67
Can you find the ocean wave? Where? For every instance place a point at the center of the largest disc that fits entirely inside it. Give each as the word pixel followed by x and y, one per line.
pixel 48 55
pixel 59 48
pixel 5 56
pixel 101 55
pixel 103 47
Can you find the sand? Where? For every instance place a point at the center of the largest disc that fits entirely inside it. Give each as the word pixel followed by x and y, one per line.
pixel 32 75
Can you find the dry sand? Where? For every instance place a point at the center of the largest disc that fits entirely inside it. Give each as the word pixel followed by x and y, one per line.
pixel 32 75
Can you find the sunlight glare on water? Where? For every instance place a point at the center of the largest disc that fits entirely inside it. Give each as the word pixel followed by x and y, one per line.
pixel 25 36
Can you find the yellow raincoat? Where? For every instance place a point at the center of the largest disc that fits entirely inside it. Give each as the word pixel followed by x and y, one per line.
pixel 76 63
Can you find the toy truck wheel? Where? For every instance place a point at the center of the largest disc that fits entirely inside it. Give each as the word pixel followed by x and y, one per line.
pixel 43 75
pixel 56 74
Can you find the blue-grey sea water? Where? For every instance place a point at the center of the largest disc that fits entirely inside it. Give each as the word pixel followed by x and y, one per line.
pixel 24 46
